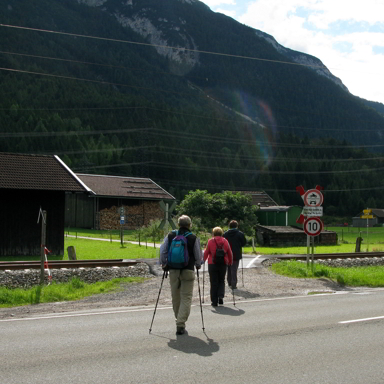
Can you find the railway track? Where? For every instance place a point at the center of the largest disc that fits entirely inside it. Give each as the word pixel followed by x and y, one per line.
pixel 60 264
pixel 323 256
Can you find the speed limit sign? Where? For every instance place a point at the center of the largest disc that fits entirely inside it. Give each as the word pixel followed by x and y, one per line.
pixel 313 226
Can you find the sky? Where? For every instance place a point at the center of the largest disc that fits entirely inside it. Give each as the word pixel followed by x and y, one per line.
pixel 346 35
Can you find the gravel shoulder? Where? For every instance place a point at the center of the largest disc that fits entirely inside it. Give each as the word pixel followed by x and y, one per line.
pixel 259 283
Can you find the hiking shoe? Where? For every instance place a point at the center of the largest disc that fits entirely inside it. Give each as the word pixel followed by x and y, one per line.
pixel 180 331
pixel 221 301
pixel 214 304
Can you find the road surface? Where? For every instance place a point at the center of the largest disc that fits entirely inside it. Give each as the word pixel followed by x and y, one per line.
pixel 330 338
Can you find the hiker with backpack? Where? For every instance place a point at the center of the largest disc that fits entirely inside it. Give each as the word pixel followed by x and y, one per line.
pixel 180 253
pixel 219 256
pixel 236 240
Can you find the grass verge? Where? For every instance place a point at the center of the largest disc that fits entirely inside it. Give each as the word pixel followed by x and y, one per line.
pixel 353 277
pixel 73 290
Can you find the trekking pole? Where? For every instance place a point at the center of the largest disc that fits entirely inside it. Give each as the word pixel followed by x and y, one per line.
pixel 165 274
pixel 242 270
pixel 233 294
pixel 203 279
pixel 201 306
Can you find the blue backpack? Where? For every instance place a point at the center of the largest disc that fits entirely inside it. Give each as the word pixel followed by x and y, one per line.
pixel 178 256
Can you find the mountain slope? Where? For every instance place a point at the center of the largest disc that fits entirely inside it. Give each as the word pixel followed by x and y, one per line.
pixel 171 90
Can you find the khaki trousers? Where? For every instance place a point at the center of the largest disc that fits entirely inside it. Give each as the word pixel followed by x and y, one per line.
pixel 181 281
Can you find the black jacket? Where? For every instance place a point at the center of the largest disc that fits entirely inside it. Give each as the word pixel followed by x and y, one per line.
pixel 236 240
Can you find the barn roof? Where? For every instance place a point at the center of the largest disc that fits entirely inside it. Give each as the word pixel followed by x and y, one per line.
pixel 277 208
pixel 260 198
pixel 130 187
pixel 37 172
pixel 279 229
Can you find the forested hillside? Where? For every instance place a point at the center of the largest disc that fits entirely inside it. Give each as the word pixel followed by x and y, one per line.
pixel 192 99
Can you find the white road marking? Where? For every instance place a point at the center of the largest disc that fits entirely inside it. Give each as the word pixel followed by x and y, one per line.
pixel 146 309
pixel 249 265
pixel 361 320
pixel 141 309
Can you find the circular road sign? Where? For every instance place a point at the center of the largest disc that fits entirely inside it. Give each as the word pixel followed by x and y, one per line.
pixel 313 226
pixel 313 198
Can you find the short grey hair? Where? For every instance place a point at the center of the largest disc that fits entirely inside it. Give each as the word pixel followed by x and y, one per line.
pixel 217 231
pixel 184 221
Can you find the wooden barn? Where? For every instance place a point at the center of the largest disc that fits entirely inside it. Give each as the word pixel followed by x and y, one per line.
pixel 377 218
pixel 260 198
pixel 138 198
pixel 290 236
pixel 29 183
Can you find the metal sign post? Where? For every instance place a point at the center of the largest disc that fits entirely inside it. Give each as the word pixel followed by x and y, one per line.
pixel 42 214
pixel 367 215
pixel 122 221
pixel 312 225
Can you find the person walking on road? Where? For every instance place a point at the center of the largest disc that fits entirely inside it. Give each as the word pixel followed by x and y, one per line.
pixel 182 278
pixel 236 240
pixel 216 268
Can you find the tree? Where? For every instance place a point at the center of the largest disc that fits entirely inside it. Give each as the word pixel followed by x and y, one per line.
pixel 220 208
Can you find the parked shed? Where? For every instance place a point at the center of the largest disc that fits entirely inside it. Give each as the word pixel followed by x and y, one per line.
pixel 138 197
pixel 289 236
pixel 378 218
pixel 278 215
pixel 29 183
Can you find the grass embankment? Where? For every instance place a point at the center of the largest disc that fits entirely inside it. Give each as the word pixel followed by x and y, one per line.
pixel 74 290
pixel 94 249
pixel 98 249
pixel 353 277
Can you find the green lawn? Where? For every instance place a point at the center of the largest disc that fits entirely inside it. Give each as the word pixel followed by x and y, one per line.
pixel 353 277
pixel 74 290
pixel 96 249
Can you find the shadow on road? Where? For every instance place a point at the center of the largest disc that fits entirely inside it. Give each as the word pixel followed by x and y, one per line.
pixel 190 344
pixel 229 311
pixel 246 294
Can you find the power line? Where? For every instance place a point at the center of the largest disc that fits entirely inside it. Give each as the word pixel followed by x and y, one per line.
pixel 92 81
pixel 256 171
pixel 200 137
pixel 91 63
pixel 144 44
pixel 250 189
pixel 160 46
pixel 215 155
pixel 187 114
pixel 86 167
pixel 71 133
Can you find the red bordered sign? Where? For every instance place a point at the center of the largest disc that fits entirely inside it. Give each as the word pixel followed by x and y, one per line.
pixel 313 198
pixel 313 226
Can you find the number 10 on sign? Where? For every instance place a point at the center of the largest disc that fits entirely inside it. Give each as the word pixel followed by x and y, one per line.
pixel 313 226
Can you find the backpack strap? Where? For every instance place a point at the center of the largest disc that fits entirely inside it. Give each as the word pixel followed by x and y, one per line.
pixel 217 245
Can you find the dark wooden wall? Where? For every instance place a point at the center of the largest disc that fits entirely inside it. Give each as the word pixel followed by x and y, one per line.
pixel 20 234
pixel 79 210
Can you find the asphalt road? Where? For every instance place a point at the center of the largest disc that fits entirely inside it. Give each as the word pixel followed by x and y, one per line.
pixel 286 340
